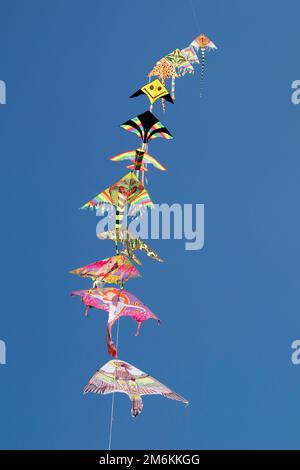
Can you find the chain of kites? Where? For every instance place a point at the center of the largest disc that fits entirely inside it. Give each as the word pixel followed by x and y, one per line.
pixel 117 375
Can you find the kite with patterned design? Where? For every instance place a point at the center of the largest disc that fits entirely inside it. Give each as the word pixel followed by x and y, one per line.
pixel 118 303
pixel 120 376
pixel 115 270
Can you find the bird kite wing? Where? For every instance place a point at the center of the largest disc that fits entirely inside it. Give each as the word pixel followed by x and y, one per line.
pixel 92 298
pixel 149 386
pixel 103 383
pixel 152 161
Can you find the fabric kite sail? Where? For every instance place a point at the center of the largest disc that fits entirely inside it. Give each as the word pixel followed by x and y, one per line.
pixel 130 242
pixel 118 303
pixel 120 376
pixel 115 270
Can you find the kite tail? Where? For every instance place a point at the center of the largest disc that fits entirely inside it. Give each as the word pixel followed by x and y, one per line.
pixel 138 328
pixel 118 226
pixel 112 350
pixel 173 88
pixel 119 219
pixel 137 406
pixel 202 62
pixel 86 312
pixel 120 211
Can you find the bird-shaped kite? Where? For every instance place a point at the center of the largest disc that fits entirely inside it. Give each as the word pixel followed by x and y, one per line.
pixel 130 242
pixel 154 91
pixel 120 376
pixel 118 303
pixel 127 191
pixel 140 160
pixel 115 270
pixel 204 43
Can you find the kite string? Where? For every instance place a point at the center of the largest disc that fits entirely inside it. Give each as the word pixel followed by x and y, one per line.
pixel 195 15
pixel 113 395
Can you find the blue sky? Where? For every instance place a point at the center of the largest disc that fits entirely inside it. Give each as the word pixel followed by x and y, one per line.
pixel 230 311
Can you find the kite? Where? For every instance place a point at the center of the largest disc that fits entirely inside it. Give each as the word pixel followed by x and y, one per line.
pixel 154 90
pixel 115 270
pixel 120 376
pixel 147 127
pixel 127 191
pixel 130 243
pixel 180 64
pixel 204 43
pixel 190 54
pixel 140 160
pixel 118 303
pixel 164 69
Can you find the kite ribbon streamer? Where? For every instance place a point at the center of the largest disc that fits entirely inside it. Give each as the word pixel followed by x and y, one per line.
pixel 202 62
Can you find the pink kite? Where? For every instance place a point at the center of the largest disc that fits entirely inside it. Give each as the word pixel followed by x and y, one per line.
pixel 118 303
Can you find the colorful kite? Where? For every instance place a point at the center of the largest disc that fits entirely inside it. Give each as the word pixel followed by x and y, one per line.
pixel 120 376
pixel 180 64
pixel 116 270
pixel 138 157
pixel 154 91
pixel 204 43
pixel 140 160
pixel 147 127
pixel 164 69
pixel 118 303
pixel 130 243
